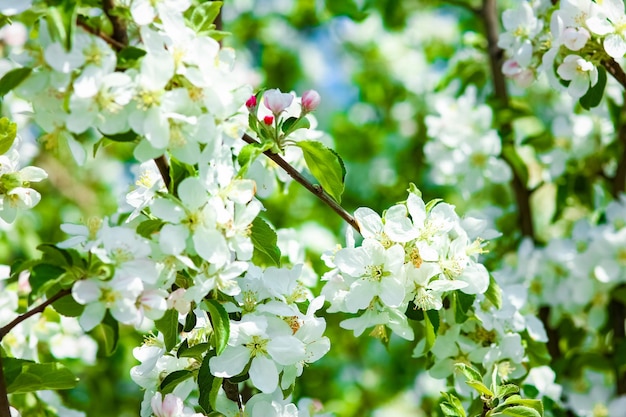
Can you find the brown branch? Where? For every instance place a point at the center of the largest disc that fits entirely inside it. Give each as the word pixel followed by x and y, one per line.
pixel 114 43
pixel 119 26
pixel 313 188
pixel 164 169
pixel 40 308
pixel 522 194
pixel 5 410
pixel 232 393
pixel 618 183
pixel 615 70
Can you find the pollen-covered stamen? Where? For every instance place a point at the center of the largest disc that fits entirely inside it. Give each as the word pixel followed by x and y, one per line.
pixel 452 268
pixel 483 336
pixel 121 255
pixel 193 221
pixel 424 299
pixel 376 272
pixel 93 225
pixel 380 332
pixel 249 300
pixel 385 241
pixel 93 55
pixel 415 258
pixel 147 99
pixel 257 346
pixel 293 322
pixel 177 136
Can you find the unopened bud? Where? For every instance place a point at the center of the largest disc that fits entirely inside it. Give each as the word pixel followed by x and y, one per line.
pixel 310 100
pixel 251 103
pixel 268 120
pixel 276 101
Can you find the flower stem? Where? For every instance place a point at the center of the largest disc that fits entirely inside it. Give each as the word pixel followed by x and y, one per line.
pixel 313 188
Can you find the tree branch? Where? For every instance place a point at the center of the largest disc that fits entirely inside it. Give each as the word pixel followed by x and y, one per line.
pixel 164 169
pixel 615 70
pixel 5 410
pixel 313 188
pixel 114 43
pixel 489 16
pixel 40 308
pixel 119 26
pixel 618 183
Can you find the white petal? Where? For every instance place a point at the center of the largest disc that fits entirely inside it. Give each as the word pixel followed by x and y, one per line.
pixel 286 350
pixel 231 362
pixel 263 374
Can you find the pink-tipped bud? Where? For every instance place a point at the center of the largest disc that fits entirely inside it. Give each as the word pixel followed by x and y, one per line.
pixel 251 103
pixel 310 100
pixel 268 120
pixel 276 101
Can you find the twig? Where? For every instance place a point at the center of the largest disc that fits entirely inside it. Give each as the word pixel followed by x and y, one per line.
pixel 5 410
pixel 40 308
pixel 119 26
pixel 615 70
pixel 232 393
pixel 489 16
pixel 114 43
pixel 618 183
pixel 164 169
pixel 313 188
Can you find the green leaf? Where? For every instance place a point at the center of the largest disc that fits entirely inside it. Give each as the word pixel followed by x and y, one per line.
pixel 504 391
pixel 129 136
pixel 172 380
pixel 42 274
pixel 168 326
pixel 149 227
pixel 178 172
pixel 294 123
pixel 127 57
pixel 462 303
pixel 494 293
pixel 8 131
pixel 204 15
pixel 480 387
pixel 57 256
pixel 110 331
pixel 220 323
pixel 451 406
pixel 325 165
pixel 264 240
pixel 249 154
pixel 205 383
pixel 429 325
pixel 432 203
pixel 27 376
pixel 521 411
pixel 12 79
pixel 536 405
pixel 196 351
pixel 593 96
pixel 468 371
pixel 62 22
pixel 65 306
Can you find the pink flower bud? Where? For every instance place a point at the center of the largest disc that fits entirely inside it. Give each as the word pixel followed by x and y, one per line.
pixel 310 100
pixel 268 120
pixel 251 103
pixel 276 101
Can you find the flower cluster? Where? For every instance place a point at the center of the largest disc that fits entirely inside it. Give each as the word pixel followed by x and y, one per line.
pixel 464 149
pixel 15 191
pixel 568 42
pixel 411 258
